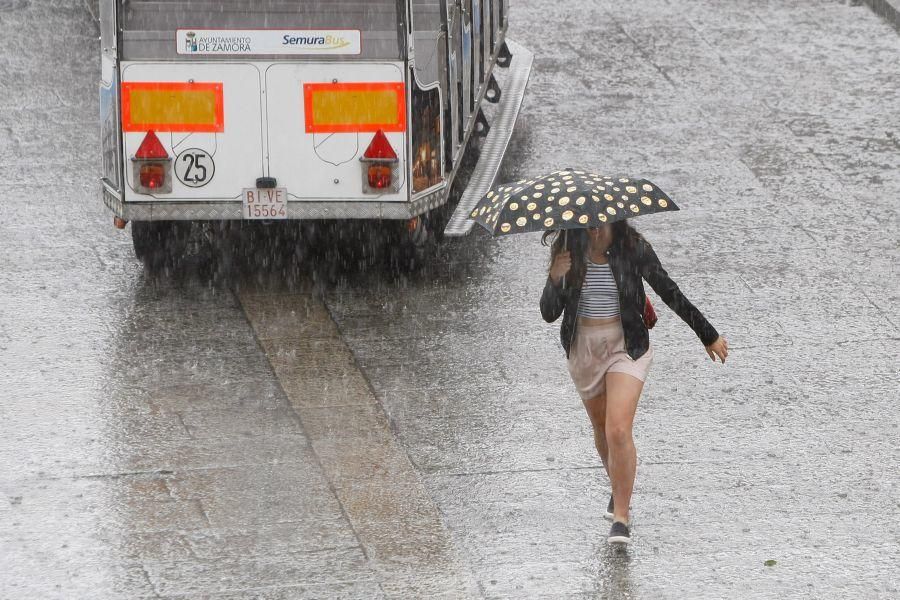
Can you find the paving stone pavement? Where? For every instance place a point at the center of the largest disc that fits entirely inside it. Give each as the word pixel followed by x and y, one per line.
pixel 772 125
pixel 163 439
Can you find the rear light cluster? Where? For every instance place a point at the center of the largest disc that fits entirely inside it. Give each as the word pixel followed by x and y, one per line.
pixel 379 162
pixel 152 167
pixel 379 177
pixel 153 176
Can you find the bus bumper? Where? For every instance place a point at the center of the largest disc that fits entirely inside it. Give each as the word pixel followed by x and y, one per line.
pixel 230 209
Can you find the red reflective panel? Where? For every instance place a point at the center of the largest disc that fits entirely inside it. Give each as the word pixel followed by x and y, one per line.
pixel 380 148
pixel 151 147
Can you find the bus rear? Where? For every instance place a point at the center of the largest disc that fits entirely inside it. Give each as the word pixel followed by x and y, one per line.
pixel 249 110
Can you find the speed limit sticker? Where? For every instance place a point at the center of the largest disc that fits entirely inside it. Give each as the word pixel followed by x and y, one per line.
pixel 194 167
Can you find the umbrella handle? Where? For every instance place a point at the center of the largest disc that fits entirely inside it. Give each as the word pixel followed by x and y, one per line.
pixel 565 247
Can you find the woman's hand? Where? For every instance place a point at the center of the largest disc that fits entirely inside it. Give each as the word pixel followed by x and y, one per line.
pixel 560 267
pixel 718 348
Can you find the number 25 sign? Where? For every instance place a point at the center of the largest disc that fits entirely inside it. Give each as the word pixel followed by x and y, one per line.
pixel 194 167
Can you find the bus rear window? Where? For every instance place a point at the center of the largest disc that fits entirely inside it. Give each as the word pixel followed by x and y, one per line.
pixel 150 27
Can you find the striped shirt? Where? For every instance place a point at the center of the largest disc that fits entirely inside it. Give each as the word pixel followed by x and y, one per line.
pixel 599 294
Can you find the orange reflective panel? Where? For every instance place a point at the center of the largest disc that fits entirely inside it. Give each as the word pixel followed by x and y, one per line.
pixel 170 106
pixel 354 107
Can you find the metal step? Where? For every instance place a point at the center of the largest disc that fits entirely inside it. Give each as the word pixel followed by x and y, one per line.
pixel 494 146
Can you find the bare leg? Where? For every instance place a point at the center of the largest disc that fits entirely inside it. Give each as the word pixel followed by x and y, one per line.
pixel 596 410
pixel 622 394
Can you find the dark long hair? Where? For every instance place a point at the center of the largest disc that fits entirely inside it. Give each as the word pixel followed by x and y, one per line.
pixel 626 241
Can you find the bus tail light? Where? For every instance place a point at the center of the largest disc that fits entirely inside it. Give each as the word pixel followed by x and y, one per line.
pixel 153 176
pixel 379 162
pixel 151 167
pixel 379 177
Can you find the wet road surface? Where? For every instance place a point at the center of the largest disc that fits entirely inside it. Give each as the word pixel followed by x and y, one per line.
pixel 312 430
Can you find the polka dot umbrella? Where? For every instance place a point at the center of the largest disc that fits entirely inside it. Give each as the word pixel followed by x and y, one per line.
pixel 567 199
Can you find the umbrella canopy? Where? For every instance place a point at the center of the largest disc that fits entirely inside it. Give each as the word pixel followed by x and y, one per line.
pixel 567 199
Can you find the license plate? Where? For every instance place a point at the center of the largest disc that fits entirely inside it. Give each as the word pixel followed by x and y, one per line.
pixel 265 203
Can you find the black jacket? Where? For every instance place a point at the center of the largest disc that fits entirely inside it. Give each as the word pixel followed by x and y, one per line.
pixel 628 269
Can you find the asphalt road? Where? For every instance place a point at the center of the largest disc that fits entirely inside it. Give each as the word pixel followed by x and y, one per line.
pixel 308 429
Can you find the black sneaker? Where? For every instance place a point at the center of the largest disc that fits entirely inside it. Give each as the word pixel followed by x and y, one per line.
pixel 619 533
pixel 609 509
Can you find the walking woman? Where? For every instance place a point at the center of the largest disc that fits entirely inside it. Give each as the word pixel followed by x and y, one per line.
pixel 595 283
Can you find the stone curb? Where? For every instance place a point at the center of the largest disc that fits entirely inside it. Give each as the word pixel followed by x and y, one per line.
pixel 888 9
